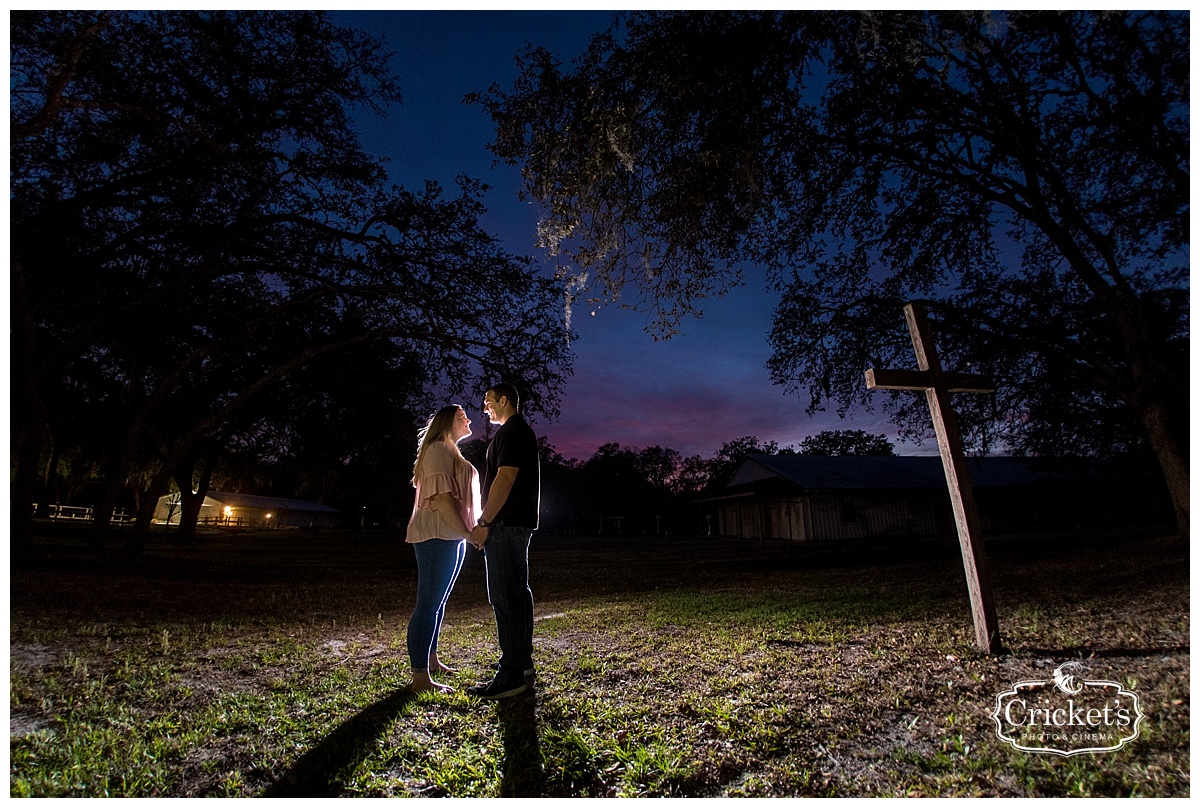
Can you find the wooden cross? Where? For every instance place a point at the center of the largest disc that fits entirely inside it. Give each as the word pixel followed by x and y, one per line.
pixel 938 385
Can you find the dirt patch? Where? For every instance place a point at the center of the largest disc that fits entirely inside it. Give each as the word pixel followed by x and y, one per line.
pixel 22 723
pixel 25 658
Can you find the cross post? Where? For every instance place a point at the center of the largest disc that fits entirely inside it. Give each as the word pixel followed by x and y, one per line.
pixel 938 385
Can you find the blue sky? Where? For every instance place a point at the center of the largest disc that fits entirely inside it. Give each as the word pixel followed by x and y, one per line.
pixel 692 393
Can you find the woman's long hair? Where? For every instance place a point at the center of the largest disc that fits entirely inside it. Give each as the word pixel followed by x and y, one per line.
pixel 439 427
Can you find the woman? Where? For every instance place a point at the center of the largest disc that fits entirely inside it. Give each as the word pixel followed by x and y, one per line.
pixel 446 506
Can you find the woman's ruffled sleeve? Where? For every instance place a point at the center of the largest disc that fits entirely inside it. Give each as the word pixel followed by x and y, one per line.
pixel 437 476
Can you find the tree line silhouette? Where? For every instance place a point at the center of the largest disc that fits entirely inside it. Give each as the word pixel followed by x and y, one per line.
pixel 211 280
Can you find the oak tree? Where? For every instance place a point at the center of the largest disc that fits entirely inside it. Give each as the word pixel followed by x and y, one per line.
pixel 194 222
pixel 1024 173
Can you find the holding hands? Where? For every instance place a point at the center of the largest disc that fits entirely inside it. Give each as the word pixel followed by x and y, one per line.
pixel 479 535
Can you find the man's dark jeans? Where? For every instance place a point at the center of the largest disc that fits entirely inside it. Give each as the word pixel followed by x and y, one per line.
pixel 507 557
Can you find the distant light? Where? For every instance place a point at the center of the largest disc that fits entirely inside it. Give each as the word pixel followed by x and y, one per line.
pixel 228 511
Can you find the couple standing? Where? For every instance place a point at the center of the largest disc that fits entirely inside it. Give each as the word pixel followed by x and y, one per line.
pixel 449 512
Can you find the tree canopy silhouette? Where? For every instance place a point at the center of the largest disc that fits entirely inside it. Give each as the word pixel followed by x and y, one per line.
pixel 1025 173
pixel 843 442
pixel 194 223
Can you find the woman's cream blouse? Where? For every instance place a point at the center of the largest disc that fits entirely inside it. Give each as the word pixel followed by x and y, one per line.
pixel 443 471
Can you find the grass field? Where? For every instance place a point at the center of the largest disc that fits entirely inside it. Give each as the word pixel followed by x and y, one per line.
pixel 273 664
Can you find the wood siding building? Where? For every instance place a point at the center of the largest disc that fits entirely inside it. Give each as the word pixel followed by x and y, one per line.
pixel 810 497
pixel 250 510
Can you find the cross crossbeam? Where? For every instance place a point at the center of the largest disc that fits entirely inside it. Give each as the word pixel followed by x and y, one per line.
pixel 920 380
pixel 937 386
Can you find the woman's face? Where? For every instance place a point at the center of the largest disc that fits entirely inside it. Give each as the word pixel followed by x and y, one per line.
pixel 462 426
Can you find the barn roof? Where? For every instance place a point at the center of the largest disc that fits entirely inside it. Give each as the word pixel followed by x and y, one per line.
pixel 817 472
pixel 268 503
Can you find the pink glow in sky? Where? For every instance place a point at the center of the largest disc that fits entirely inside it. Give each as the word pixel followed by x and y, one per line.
pixel 692 393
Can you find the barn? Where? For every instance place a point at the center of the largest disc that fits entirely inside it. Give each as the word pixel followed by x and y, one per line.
pixel 250 510
pixel 811 497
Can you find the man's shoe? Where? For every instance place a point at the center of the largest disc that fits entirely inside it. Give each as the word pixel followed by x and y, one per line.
pixel 499 688
pixel 528 671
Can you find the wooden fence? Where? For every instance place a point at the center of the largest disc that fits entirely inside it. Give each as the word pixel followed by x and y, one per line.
pixel 235 521
pixel 75 513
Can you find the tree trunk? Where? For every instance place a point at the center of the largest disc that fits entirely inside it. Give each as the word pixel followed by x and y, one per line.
pixel 1172 458
pixel 115 479
pixel 1159 396
pixel 120 467
pixel 29 421
pixel 23 490
pixel 50 492
pixel 159 485
pixel 189 512
pixel 189 502
pixel 180 463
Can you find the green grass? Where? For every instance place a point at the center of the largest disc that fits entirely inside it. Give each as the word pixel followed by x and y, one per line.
pixel 268 665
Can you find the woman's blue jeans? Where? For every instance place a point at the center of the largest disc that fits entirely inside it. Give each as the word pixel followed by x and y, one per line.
pixel 438 564
pixel 507 556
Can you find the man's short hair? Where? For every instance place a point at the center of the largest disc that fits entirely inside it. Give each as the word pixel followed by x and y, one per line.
pixel 506 390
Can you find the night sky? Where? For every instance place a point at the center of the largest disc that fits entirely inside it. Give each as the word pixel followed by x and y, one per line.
pixel 692 393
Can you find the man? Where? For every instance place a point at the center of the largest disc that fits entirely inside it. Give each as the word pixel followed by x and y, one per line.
pixel 511 492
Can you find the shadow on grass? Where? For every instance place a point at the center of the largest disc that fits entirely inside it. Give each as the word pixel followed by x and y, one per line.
pixel 314 774
pixel 521 773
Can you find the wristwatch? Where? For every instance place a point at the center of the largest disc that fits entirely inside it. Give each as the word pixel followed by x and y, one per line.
pixel 483 523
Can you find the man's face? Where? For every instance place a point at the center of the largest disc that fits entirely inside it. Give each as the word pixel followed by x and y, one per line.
pixel 489 407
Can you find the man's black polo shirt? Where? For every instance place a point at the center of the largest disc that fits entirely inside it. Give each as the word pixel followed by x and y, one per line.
pixel 516 445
